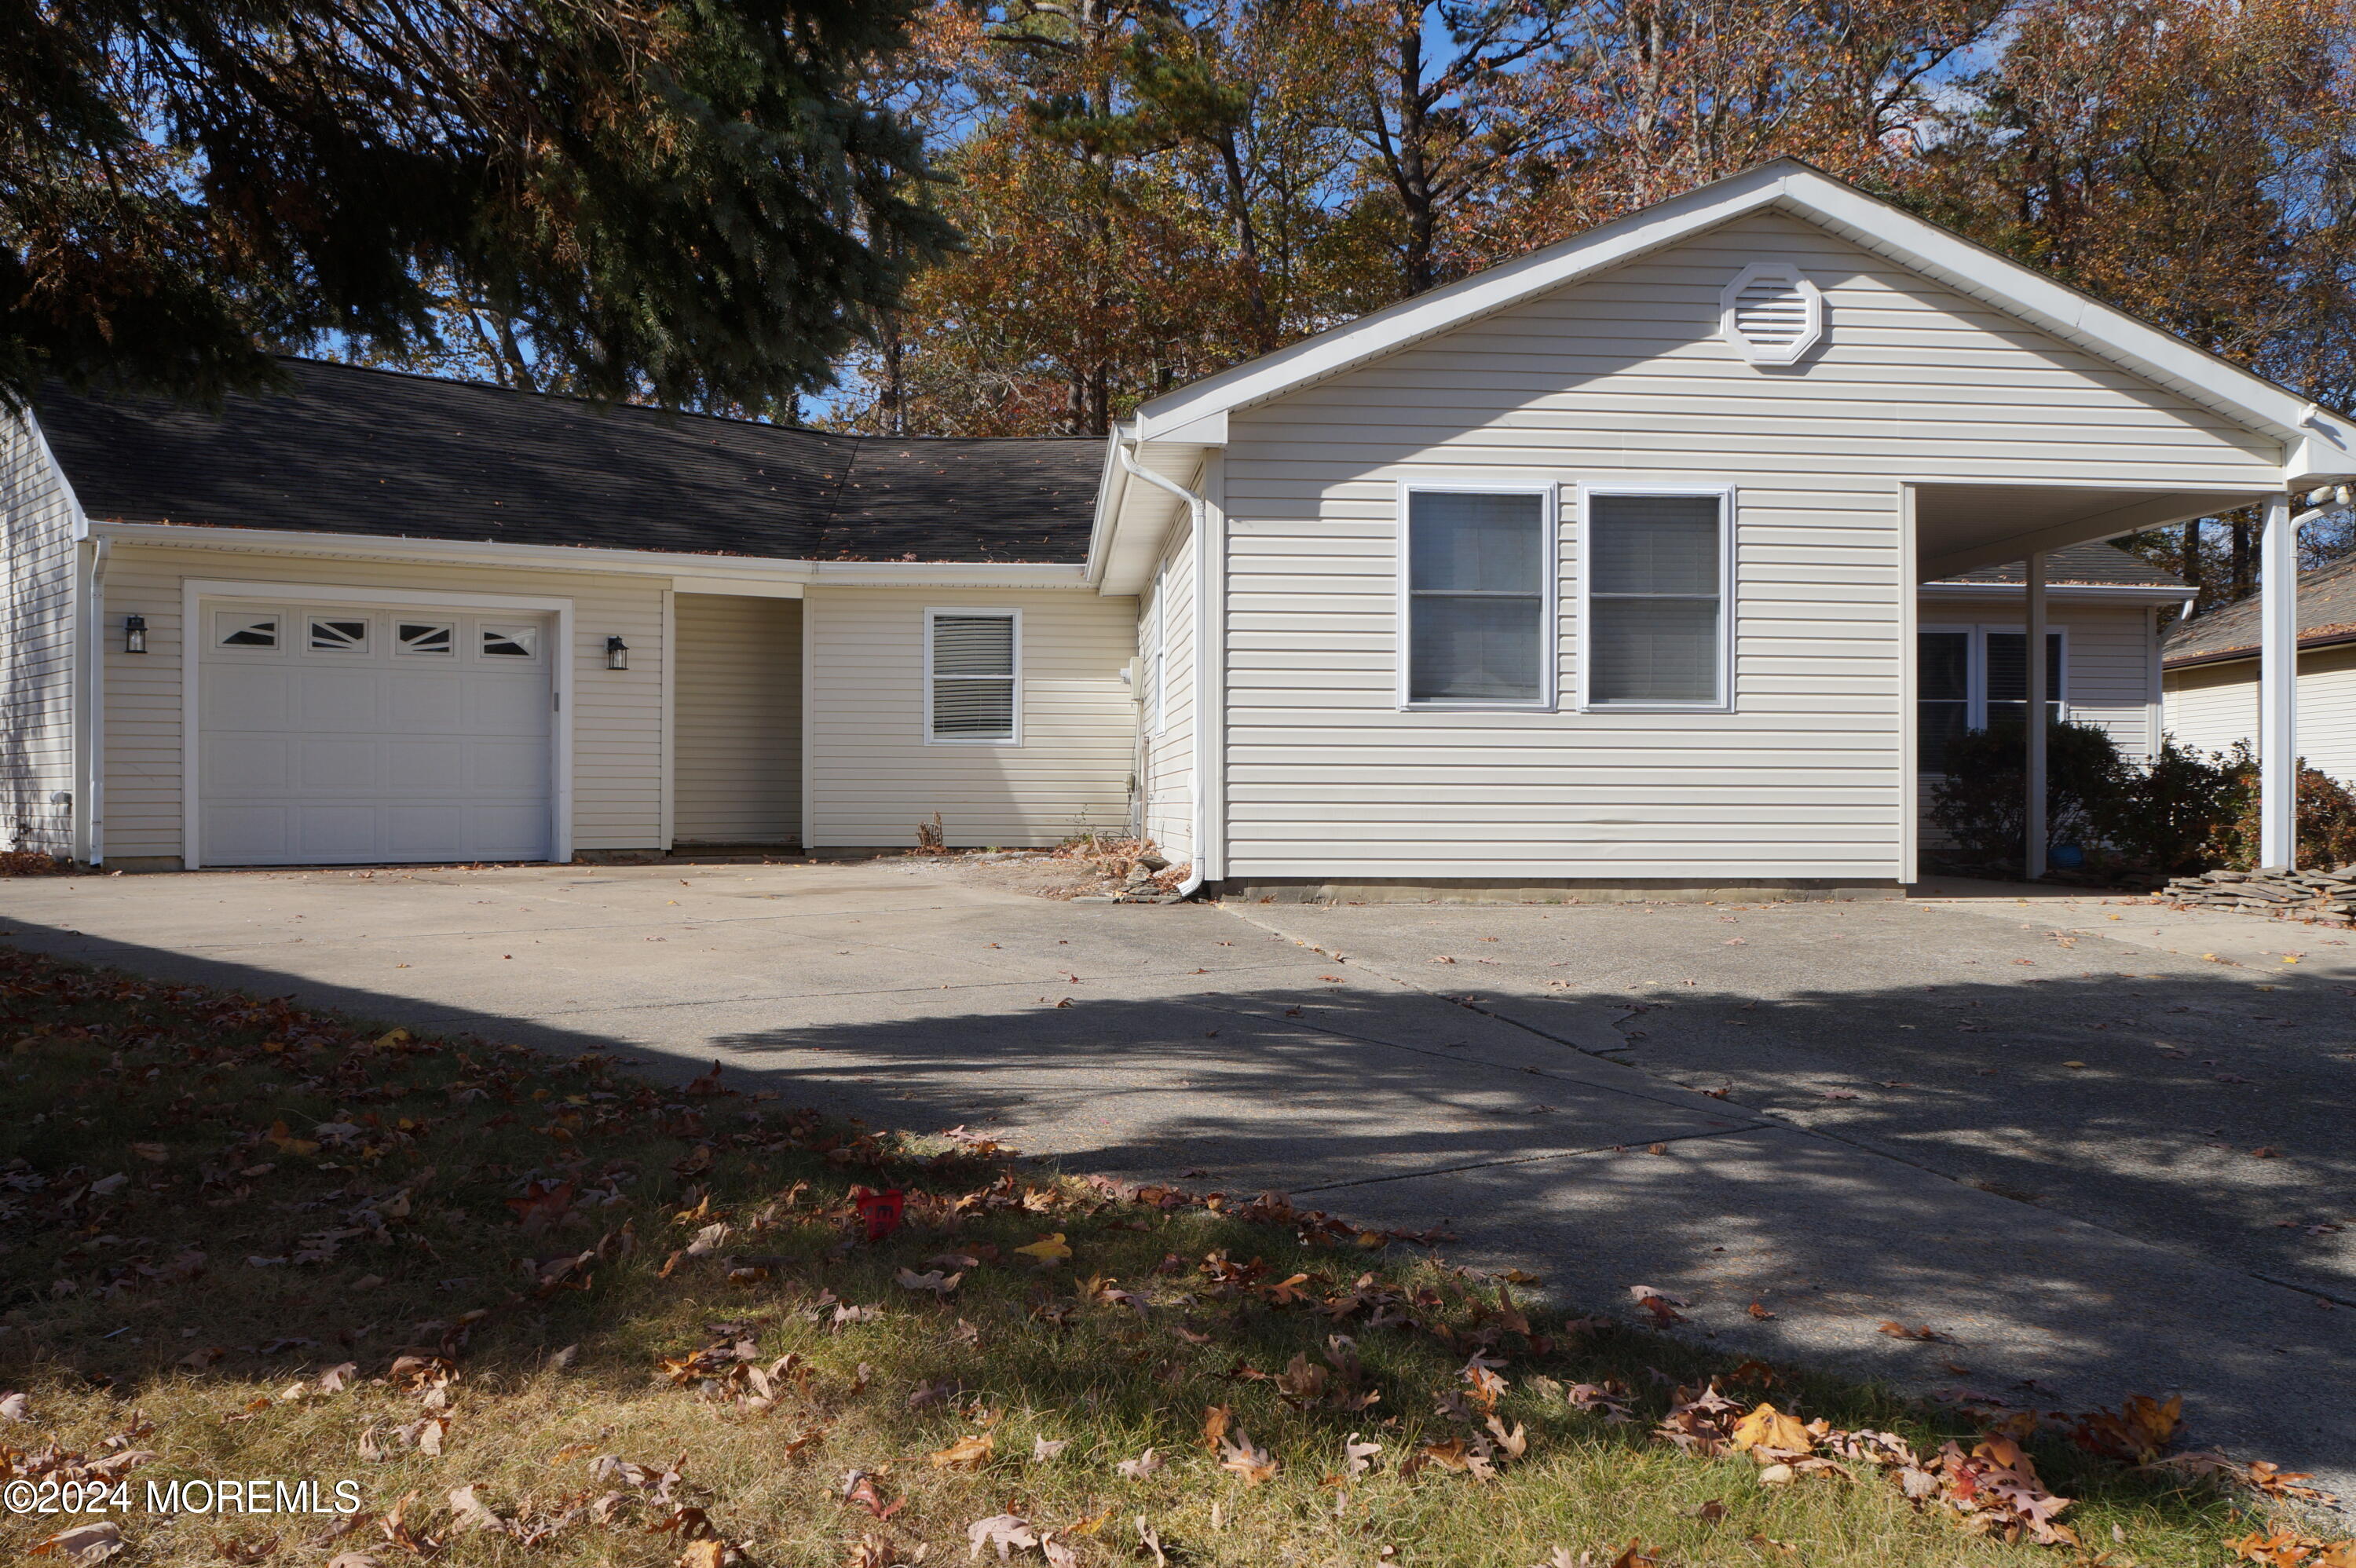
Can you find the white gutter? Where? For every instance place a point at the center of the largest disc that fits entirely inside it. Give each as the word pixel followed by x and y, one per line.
pixel 572 558
pixel 1198 506
pixel 2154 592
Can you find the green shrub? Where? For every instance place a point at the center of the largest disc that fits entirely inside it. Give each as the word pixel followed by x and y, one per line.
pixel 2327 817
pixel 1982 802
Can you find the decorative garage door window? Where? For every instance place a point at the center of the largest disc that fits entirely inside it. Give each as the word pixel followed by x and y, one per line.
pixel 510 641
pixel 432 638
pixel 339 637
pixel 235 629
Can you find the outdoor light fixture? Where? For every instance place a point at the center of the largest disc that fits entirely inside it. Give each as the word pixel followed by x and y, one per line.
pixel 135 633
pixel 617 654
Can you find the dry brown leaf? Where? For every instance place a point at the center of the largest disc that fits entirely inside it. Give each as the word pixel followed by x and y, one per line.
pixel 1768 1428
pixel 1246 1459
pixel 966 1453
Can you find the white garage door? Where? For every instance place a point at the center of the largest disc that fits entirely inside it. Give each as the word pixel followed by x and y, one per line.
pixel 343 734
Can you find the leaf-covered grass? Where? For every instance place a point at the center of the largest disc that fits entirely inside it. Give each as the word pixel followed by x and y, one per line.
pixel 644 1325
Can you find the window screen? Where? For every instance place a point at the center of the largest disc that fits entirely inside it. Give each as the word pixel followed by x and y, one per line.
pixel 1943 688
pixel 972 677
pixel 1476 597
pixel 1654 601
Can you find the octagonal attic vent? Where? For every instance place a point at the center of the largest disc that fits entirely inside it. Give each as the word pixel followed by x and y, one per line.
pixel 1770 314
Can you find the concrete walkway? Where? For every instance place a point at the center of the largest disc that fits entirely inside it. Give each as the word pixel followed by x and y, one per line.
pixel 2026 1123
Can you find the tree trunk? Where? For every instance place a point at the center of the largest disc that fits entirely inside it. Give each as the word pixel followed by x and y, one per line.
pixel 2191 569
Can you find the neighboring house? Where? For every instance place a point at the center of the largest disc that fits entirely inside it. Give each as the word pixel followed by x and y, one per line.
pixel 1636 564
pixel 2212 673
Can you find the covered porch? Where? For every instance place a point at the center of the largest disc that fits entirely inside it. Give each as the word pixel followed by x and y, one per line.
pixel 1956 528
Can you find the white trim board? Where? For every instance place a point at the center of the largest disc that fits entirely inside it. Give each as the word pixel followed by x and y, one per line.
pixel 194 592
pixel 739 574
pixel 2316 443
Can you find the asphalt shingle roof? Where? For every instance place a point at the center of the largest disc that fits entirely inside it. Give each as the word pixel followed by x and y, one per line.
pixel 2327 613
pixel 355 450
pixel 2081 563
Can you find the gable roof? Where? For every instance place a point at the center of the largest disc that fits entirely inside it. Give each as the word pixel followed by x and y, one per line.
pixel 353 450
pixel 2318 443
pixel 2327 615
pixel 2097 565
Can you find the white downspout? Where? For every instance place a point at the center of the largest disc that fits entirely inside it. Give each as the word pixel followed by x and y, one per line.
pixel 2278 671
pixel 1198 507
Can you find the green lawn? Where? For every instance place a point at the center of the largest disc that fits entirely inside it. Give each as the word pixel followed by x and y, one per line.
pixel 530 1310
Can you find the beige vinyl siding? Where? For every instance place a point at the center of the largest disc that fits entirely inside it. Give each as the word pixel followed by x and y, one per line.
pixel 2209 706
pixel 737 725
pixel 1623 379
pixel 616 722
pixel 1170 754
pixel 873 777
pixel 36 557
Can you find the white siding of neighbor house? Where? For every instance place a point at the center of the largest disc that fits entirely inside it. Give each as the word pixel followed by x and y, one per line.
pixel 873 776
pixel 1623 379
pixel 36 557
pixel 2209 706
pixel 1170 756
pixel 736 747
pixel 616 721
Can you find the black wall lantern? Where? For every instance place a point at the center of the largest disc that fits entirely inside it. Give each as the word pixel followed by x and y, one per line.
pixel 617 654
pixel 135 633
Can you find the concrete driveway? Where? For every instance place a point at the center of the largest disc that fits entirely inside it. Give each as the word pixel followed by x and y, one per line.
pixel 2029 1124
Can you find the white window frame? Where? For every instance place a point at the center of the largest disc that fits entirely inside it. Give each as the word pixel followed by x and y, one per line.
pixel 1729 518
pixel 1975 697
pixel 932 613
pixel 1550 494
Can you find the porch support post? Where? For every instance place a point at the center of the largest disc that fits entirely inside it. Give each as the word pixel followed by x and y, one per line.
pixel 2035 673
pixel 2278 687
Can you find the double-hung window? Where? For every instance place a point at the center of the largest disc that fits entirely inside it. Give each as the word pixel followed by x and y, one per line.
pixel 1656 565
pixel 973 677
pixel 1477 586
pixel 1967 677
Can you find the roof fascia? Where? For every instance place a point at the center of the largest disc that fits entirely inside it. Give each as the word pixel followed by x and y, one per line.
pixel 1112 487
pixel 2249 654
pixel 625 563
pixel 2156 592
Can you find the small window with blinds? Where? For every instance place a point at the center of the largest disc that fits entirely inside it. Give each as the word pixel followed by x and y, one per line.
pixel 1477 578
pixel 973 677
pixel 1656 568
pixel 1770 314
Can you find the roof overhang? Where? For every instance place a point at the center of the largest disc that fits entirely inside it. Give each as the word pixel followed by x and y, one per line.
pixel 1134 520
pixel 2084 592
pixel 2249 655
pixel 2318 445
pixel 708 573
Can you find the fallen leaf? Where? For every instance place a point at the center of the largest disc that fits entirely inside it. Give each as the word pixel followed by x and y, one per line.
pixel 966 1453
pixel 1047 1251
pixel 1921 1331
pixel 1246 1459
pixel 1142 1467
pixel 1767 1427
pixel 1008 1532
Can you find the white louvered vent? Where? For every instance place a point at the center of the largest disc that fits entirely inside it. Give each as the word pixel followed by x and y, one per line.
pixel 1770 314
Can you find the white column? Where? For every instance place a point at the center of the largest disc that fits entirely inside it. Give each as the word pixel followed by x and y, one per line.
pixel 2035 649
pixel 2278 687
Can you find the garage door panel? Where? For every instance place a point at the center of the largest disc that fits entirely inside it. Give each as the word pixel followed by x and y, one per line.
pixel 246 835
pixel 338 764
pixel 428 833
pixel 240 762
pixel 340 699
pixel 415 702
pixel 371 750
pixel 505 703
pixel 418 766
pixel 506 769
pixel 261 696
